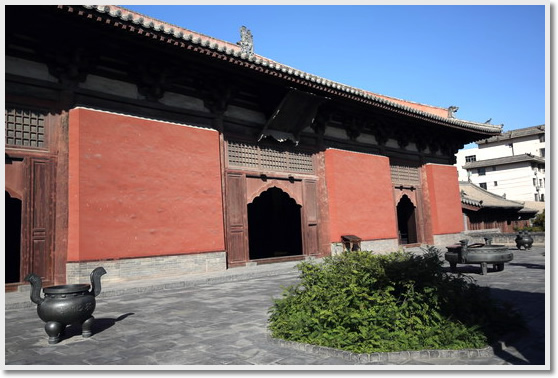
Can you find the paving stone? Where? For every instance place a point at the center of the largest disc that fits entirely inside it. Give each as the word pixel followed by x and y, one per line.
pixel 221 319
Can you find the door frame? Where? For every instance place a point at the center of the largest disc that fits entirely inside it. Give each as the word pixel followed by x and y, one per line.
pixel 36 190
pixel 241 187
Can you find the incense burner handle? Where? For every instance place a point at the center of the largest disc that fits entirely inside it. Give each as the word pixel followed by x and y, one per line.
pixel 36 286
pixel 96 280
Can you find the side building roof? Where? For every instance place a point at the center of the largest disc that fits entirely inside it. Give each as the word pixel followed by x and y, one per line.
pixel 476 196
pixel 513 134
pixel 503 161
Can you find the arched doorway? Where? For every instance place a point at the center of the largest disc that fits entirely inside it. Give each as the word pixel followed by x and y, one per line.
pixel 406 221
pixel 13 239
pixel 274 225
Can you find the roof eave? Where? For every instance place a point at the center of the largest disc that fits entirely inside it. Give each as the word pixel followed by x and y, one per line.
pixel 123 15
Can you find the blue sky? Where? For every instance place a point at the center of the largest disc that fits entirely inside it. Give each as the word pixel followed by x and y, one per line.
pixel 489 60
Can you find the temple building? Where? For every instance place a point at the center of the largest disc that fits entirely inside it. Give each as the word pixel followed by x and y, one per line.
pixel 484 210
pixel 152 150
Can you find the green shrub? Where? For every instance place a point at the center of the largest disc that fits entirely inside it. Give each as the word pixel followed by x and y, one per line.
pixel 363 302
pixel 537 224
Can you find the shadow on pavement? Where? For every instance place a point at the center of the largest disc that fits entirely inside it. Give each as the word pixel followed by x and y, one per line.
pixel 523 347
pixel 100 325
pixel 529 266
pixel 471 269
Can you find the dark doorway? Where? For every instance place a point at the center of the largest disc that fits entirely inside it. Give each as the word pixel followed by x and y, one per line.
pixel 274 225
pixel 13 239
pixel 406 221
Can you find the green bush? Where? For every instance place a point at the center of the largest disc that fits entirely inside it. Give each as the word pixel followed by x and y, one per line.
pixel 539 221
pixel 537 224
pixel 363 302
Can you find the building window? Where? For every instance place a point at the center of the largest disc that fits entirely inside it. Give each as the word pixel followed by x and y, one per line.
pixel 483 185
pixel 493 169
pixel 495 183
pixel 481 171
pixel 542 152
pixel 536 196
pixel 541 183
pixel 242 155
pixel 541 138
pixel 542 197
pixel 470 158
pixel 534 182
pixel 25 128
pixel 402 174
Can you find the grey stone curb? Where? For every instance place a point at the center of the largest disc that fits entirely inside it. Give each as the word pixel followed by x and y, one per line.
pixel 385 357
pixel 180 284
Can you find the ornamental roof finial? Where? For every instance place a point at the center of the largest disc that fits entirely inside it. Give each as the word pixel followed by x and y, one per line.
pixel 246 42
pixel 451 110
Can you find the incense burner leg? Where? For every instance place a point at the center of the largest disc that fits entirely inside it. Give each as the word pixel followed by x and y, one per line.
pixel 53 330
pixel 86 327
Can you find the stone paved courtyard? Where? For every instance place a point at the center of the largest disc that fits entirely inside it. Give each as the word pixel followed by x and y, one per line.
pixel 221 320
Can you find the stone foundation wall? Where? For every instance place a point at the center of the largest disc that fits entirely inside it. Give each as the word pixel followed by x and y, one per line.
pixel 380 245
pixel 500 238
pixel 148 267
pixel 448 239
pixel 441 241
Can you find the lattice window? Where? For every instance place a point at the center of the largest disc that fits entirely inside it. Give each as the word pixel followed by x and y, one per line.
pixel 244 155
pixel 25 128
pixel 402 174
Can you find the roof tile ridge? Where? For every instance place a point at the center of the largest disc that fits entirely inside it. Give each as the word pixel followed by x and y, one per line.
pixel 496 196
pixel 500 126
pixel 393 98
pixel 158 25
pixel 234 49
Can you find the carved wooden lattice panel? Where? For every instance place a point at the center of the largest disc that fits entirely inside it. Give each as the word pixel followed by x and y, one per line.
pixel 242 155
pixel 25 128
pixel 402 174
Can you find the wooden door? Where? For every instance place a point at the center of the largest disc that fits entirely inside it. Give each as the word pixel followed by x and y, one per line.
pixel 32 182
pixel 310 218
pixel 38 229
pixel 237 229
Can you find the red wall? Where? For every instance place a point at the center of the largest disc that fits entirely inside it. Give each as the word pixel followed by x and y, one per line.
pixel 360 196
pixel 140 187
pixel 444 199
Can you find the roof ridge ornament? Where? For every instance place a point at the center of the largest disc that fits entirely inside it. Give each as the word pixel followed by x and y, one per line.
pixel 452 109
pixel 246 42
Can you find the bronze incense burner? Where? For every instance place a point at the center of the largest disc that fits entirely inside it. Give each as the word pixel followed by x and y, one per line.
pixel 64 305
pixel 524 239
pixel 478 253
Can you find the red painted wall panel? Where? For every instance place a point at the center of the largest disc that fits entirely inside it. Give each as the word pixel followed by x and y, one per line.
pixel 360 196
pixel 444 199
pixel 140 187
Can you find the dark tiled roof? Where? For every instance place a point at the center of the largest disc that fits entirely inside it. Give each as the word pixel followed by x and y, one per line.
pixel 534 130
pixel 474 195
pixel 526 210
pixel 123 15
pixel 503 161
pixel 534 206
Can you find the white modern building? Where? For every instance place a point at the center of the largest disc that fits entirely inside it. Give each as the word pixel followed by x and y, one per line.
pixel 511 165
